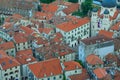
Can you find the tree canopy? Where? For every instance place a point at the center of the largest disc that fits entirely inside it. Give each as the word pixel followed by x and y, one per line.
pixel 86 6
pixel 73 1
pixel 46 1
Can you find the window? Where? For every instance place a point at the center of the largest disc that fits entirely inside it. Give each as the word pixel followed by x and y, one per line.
pixel 11 72
pixel 54 78
pixel 75 71
pixel 16 67
pixel 5 74
pixel 48 78
pixel 60 76
pixel 12 51
pixel 16 75
pixel 16 71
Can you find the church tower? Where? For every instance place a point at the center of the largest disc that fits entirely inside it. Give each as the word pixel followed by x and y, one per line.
pixel 106 20
pixel 94 21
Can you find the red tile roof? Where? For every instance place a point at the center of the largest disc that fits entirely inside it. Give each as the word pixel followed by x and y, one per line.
pixel 25 56
pixel 49 8
pixel 68 26
pixel 43 15
pixel 5 46
pixel 100 73
pixel 27 30
pixel 93 60
pixel 58 37
pixel 116 27
pixel 45 30
pixel 117 75
pixel 41 40
pixel 46 68
pixel 106 33
pixel 7 62
pixel 7 25
pixel 115 15
pixel 20 37
pixel 111 57
pixel 71 8
pixel 71 65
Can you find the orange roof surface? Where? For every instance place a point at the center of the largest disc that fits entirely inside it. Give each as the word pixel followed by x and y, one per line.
pixel 46 68
pixel 49 8
pixel 100 73
pixel 25 56
pixel 115 15
pixel 68 26
pixel 5 46
pixel 18 16
pixel 106 33
pixel 93 59
pixel 58 37
pixel 71 8
pixel 45 30
pixel 43 15
pixel 117 75
pixel 71 65
pixel 41 40
pixel 14 17
pixel 111 57
pixel 116 27
pixel 6 61
pixel 20 38
pixel 27 30
pixel 7 25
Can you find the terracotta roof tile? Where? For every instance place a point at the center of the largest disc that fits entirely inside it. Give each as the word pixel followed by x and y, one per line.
pixel 116 27
pixel 100 73
pixel 71 8
pixel 20 38
pixel 93 40
pixel 70 25
pixel 111 57
pixel 58 37
pixel 27 30
pixel 5 46
pixel 25 56
pixel 115 15
pixel 106 33
pixel 46 68
pixel 7 62
pixel 43 15
pixel 117 75
pixel 41 40
pixel 45 30
pixel 93 60
pixel 49 8
pixel 7 25
pixel 71 65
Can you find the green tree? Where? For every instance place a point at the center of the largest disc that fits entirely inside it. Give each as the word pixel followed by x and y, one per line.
pixel 73 1
pixel 46 1
pixel 86 6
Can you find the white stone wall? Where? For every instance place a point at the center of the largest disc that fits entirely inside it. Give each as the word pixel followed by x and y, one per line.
pixel 11 52
pixel 57 77
pixel 72 36
pixel 15 75
pixel 22 46
pixel 73 72
pixel 68 57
